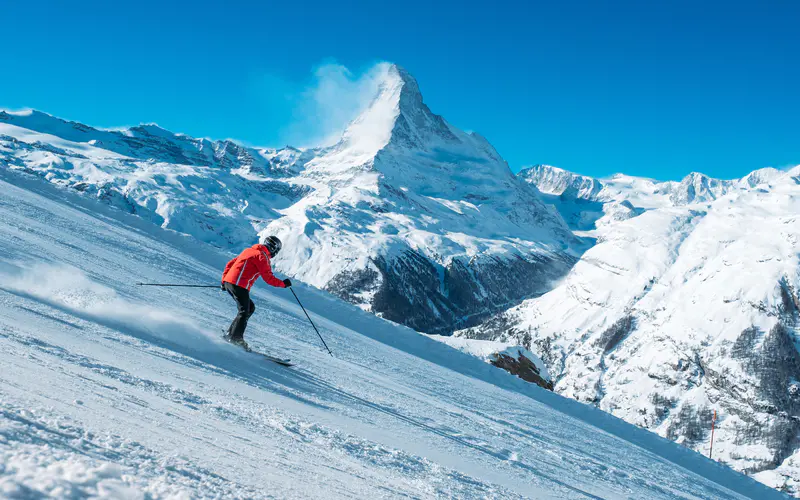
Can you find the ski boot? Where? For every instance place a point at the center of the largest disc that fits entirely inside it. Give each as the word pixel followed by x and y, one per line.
pixel 237 341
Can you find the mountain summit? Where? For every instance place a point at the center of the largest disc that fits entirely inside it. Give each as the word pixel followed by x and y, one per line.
pixel 397 120
pixel 419 221
pixel 395 115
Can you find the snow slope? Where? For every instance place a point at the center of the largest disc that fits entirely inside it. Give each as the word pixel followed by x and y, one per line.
pixel 687 307
pixel 120 391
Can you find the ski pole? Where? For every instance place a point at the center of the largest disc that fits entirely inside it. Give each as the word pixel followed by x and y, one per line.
pixel 309 320
pixel 172 284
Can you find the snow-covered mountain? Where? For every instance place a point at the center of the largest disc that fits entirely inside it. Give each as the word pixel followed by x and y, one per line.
pixel 405 216
pixel 215 191
pixel 419 221
pixel 687 306
pixel 115 391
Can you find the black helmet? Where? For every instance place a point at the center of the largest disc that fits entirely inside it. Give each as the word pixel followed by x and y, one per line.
pixel 273 244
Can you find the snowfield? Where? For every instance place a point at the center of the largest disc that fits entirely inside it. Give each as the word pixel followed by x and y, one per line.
pixel 117 391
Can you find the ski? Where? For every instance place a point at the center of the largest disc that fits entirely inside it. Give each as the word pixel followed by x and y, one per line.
pixel 246 348
pixel 282 362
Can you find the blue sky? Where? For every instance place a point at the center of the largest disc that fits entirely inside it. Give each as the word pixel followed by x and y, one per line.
pixel 658 89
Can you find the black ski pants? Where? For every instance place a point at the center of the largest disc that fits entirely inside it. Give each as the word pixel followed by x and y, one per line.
pixel 245 307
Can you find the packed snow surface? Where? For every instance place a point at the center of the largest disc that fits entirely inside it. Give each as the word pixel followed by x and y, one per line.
pixel 115 390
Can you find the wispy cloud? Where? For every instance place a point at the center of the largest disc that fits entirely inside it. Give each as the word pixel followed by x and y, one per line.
pixel 324 104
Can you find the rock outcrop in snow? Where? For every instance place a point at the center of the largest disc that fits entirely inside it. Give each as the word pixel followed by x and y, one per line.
pixel 522 365
pixel 515 359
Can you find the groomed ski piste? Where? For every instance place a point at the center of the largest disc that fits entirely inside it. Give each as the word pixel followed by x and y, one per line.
pixel 112 390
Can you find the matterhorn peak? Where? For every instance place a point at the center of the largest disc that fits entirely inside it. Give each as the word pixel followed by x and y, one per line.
pixel 410 94
pixel 398 116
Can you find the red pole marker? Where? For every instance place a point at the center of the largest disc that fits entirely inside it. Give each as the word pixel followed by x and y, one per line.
pixel 713 421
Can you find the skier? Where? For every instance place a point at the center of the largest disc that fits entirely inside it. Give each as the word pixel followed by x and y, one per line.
pixel 238 278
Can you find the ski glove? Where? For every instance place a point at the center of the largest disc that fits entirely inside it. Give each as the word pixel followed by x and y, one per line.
pixel 222 286
pixel 287 283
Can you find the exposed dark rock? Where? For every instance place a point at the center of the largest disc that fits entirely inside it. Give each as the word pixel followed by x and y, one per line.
pixel 691 423
pixel 790 307
pixel 744 344
pixel 416 292
pixel 614 334
pixel 41 146
pixel 663 407
pixel 292 192
pixel 522 367
pixel 503 328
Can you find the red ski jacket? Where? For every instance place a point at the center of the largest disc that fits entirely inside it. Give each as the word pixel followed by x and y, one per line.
pixel 245 269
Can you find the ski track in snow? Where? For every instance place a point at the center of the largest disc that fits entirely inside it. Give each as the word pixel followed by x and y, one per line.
pixel 118 391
